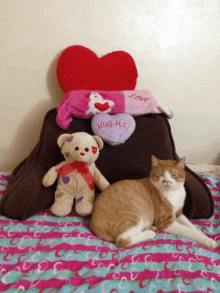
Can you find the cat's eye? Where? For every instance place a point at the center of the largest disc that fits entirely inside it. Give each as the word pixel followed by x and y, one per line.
pixel 76 148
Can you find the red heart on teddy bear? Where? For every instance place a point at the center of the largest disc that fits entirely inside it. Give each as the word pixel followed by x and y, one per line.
pixel 79 68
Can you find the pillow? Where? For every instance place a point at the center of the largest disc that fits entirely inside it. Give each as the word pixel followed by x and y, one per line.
pixel 84 104
pixel 113 129
pixel 79 68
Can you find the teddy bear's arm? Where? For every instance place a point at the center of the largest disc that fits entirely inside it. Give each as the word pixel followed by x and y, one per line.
pixel 51 176
pixel 100 180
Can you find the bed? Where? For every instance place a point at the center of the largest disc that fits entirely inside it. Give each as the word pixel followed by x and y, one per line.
pixel 46 253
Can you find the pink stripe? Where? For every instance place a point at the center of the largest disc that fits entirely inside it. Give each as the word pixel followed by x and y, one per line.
pixel 214 188
pixel 93 281
pixel 70 224
pixel 5 177
pixel 80 247
pixel 57 248
pixel 216 217
pixel 216 198
pixel 57 235
pixel 40 223
pixel 74 265
pixel 3 184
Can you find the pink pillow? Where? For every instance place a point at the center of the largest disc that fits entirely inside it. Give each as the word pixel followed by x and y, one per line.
pixel 85 104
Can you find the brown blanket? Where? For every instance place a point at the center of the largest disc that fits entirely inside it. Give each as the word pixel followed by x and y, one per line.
pixel 25 195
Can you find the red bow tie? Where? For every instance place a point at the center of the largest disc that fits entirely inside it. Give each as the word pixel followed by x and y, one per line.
pixel 81 168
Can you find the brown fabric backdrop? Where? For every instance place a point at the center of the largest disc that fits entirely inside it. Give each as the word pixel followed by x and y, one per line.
pixel 25 195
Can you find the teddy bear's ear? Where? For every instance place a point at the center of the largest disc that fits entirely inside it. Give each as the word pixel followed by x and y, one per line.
pixel 62 138
pixel 99 141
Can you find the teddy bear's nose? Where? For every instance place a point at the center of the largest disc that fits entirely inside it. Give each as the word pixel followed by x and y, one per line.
pixel 82 154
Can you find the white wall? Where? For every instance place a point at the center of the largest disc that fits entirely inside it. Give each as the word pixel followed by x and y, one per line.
pixel 175 43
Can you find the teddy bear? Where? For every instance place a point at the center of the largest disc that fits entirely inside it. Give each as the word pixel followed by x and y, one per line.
pixel 77 174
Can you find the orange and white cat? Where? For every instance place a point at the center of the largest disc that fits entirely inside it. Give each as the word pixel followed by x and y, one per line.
pixel 128 211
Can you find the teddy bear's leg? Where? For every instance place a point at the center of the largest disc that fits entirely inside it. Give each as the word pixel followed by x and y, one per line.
pixel 84 203
pixel 63 203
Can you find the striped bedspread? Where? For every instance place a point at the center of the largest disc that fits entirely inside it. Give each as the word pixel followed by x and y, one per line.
pixel 60 254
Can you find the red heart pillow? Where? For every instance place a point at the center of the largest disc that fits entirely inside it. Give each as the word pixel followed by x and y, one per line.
pixel 79 68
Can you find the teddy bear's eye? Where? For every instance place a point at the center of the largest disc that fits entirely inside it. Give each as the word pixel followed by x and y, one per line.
pixel 76 148
pixel 86 149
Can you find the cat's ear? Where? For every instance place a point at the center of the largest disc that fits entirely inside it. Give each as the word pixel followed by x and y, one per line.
pixel 154 160
pixel 181 163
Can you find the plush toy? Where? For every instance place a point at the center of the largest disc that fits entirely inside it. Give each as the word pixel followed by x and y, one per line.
pixel 80 68
pixel 77 174
pixel 86 103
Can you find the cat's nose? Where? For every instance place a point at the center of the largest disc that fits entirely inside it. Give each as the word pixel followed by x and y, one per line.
pixel 169 183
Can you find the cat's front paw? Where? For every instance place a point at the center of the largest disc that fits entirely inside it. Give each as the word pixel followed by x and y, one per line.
pixel 150 234
pixel 210 242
